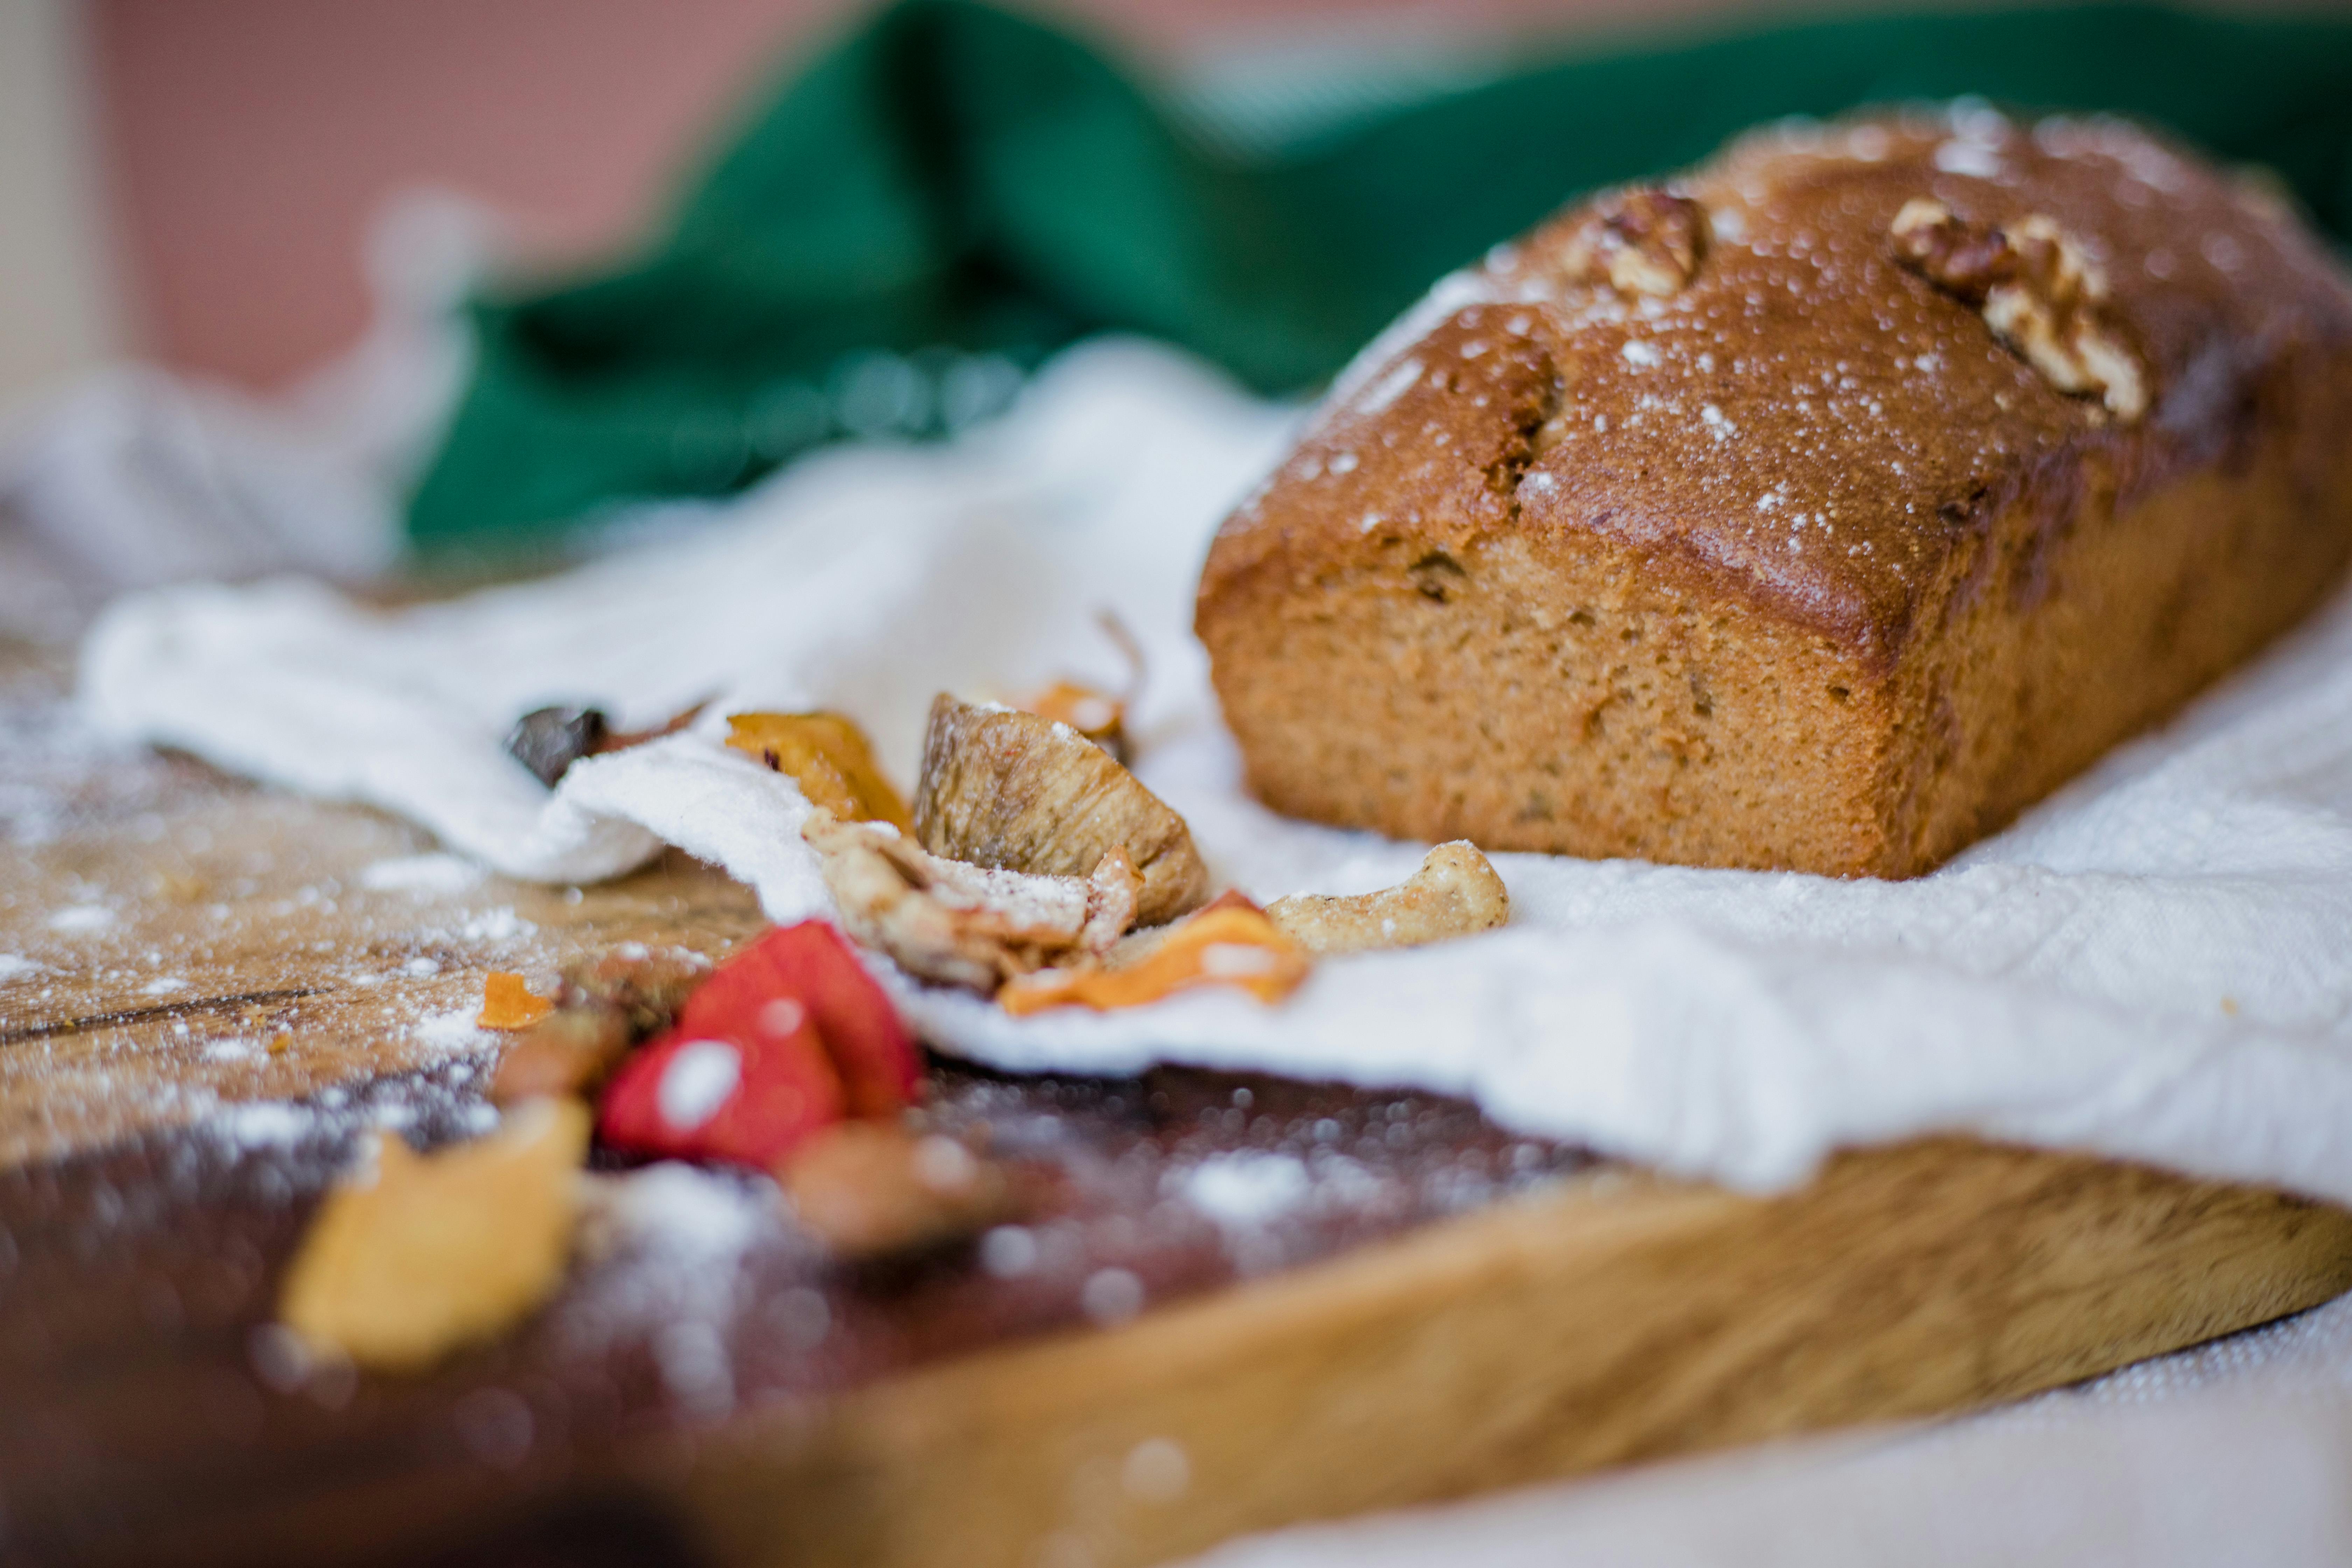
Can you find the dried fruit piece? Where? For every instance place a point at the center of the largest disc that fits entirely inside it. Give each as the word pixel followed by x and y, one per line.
pixel 873 1188
pixel 510 1003
pixel 829 757
pixel 1019 793
pixel 603 1008
pixel 880 1069
pixel 621 740
pixel 1113 892
pixel 1230 943
pixel 416 1255
pixel 1097 715
pixel 547 741
pixel 2038 290
pixel 1642 240
pixel 1455 893
pixel 955 923
pixel 750 1095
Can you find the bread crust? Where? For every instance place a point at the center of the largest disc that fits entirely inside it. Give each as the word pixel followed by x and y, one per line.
pixel 1800 564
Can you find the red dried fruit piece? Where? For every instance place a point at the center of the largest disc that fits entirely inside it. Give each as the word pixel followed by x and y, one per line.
pixel 749 1095
pixel 871 1049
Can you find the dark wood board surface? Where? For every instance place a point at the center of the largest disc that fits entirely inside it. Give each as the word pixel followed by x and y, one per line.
pixel 210 990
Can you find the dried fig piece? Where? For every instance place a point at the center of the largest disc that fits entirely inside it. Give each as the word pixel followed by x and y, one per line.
pixel 420 1255
pixel 604 1006
pixel 829 757
pixel 1455 893
pixel 960 925
pixel 571 1051
pixel 547 741
pixel 1019 793
pixel 871 1189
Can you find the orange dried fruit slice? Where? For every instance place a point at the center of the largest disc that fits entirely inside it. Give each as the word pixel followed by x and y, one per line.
pixel 1099 716
pixel 509 1003
pixel 829 757
pixel 1225 944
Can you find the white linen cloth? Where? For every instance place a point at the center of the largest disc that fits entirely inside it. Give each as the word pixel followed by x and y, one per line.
pixel 2154 965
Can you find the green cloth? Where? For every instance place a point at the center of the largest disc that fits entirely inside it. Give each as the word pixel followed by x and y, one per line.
pixel 963 188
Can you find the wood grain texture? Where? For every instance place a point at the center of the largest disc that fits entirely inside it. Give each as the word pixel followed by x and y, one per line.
pixel 234 947
pixel 1622 1319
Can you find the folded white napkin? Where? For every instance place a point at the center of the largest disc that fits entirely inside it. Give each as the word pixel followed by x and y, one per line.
pixel 2155 964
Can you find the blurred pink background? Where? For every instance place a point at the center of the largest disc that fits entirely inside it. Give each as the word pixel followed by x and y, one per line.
pixel 239 147
pixel 192 179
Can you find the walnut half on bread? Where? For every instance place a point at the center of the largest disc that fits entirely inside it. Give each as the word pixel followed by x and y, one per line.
pixel 1819 511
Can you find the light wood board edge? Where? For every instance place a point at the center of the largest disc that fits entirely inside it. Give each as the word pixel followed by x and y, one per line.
pixel 1552 1336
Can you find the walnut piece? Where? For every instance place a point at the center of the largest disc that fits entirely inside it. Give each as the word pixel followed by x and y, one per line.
pixel 960 925
pixel 1642 240
pixel 1455 893
pixel 1019 793
pixel 2039 292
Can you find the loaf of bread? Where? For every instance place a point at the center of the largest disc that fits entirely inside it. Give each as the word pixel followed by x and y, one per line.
pixel 1819 510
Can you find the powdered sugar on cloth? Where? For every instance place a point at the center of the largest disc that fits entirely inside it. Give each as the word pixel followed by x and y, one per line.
pixel 2154 965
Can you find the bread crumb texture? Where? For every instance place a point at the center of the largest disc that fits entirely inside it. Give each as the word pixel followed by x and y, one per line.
pixel 1709 523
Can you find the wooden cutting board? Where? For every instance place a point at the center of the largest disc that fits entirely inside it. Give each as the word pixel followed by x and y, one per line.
pixel 210 989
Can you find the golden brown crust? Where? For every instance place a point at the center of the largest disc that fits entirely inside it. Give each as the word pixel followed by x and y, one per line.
pixel 1791 564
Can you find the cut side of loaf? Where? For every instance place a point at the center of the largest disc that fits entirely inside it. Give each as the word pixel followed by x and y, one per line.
pixel 1819 512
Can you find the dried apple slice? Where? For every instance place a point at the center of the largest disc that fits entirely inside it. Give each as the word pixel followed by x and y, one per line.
pixel 416 1255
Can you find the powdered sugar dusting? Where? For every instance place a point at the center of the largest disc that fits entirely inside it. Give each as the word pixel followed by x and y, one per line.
pixel 435 873
pixel 455 1030
pixel 697 1082
pixel 1247 1188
